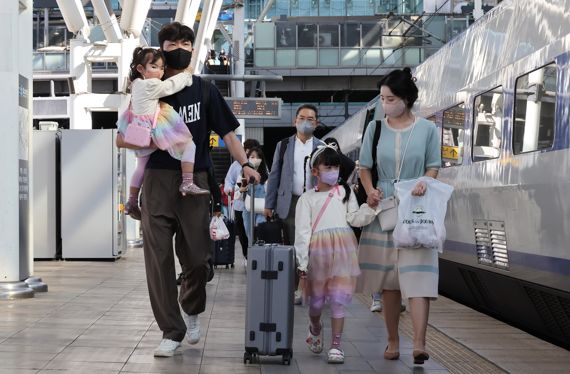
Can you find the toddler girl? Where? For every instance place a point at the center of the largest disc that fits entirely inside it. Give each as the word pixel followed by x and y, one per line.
pixel 170 133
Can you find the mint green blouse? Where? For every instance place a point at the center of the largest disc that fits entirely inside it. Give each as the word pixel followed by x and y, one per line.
pixel 423 152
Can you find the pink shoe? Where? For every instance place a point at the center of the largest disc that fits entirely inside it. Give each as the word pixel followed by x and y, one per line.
pixel 190 188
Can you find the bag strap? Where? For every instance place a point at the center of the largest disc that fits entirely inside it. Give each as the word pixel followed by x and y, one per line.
pixel 375 140
pixel 399 171
pixel 156 113
pixel 324 207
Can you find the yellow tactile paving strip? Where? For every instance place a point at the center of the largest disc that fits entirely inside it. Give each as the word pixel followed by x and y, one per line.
pixel 451 354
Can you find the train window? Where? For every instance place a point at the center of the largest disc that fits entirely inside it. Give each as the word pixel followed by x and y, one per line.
pixel 535 104
pixel 452 136
pixel 487 125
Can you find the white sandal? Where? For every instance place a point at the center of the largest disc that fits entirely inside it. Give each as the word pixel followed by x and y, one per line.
pixel 315 342
pixel 336 356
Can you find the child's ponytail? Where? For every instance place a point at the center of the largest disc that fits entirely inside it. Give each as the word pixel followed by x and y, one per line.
pixel 347 189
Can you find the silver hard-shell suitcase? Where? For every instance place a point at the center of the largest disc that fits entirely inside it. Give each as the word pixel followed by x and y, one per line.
pixel 270 293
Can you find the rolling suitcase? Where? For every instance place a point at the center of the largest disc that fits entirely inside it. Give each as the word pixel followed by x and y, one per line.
pixel 269 302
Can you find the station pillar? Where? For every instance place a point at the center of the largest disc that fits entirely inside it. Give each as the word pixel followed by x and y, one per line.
pixel 16 259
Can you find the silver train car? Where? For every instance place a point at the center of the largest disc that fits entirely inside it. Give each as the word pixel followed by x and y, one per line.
pixel 500 96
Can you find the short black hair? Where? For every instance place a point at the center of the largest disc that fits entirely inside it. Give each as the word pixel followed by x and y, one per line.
pixel 251 143
pixel 308 106
pixel 402 84
pixel 175 31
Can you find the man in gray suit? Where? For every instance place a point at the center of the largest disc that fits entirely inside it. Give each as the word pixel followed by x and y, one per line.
pixel 287 178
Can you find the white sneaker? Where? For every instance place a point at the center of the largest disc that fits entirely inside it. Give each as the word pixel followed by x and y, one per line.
pixel 376 306
pixel 192 328
pixel 298 298
pixel 166 348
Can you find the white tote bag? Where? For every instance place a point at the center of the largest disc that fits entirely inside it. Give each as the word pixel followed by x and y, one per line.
pixel 218 229
pixel 421 219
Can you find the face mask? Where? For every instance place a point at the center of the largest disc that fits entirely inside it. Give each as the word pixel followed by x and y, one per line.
pixel 255 162
pixel 394 109
pixel 305 127
pixel 329 177
pixel 178 59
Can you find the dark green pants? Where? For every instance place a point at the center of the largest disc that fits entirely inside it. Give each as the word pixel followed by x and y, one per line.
pixel 169 217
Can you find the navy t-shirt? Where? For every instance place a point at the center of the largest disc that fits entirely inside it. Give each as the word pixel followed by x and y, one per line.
pixel 218 117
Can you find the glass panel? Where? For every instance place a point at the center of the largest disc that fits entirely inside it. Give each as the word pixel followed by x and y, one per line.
pixel 371 34
pixel 285 35
pixel 387 6
pixel 307 34
pixel 452 136
pixel 56 36
pixel 307 57
pixel 412 56
pixel 350 35
pixel 338 7
pixel 306 8
pixel 350 57
pixel 328 57
pixel 264 32
pixel 38 61
pixel 264 58
pixel 534 110
pixel 392 56
pixel 488 124
pixel 325 8
pixel 328 36
pixel 371 57
pixel 55 61
pixel 285 57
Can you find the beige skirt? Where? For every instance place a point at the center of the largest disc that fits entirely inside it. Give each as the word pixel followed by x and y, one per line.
pixel 414 272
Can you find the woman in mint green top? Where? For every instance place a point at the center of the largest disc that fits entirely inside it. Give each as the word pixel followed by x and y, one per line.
pixel 411 144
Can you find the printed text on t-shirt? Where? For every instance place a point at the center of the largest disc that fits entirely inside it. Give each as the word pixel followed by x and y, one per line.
pixel 190 113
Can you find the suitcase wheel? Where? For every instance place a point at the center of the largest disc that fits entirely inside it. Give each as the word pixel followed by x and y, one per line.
pixel 249 358
pixel 227 266
pixel 286 359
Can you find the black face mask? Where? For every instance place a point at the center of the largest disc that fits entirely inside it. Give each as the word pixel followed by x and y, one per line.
pixel 178 59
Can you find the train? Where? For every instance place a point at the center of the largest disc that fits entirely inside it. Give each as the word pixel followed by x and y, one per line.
pixel 499 94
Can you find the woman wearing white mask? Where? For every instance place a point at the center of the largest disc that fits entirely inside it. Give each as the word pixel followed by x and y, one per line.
pixel 257 159
pixel 408 148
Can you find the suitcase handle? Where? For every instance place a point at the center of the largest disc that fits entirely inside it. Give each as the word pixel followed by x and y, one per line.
pixel 251 187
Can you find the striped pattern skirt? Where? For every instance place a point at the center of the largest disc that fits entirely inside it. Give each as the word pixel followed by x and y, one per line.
pixel 414 272
pixel 333 265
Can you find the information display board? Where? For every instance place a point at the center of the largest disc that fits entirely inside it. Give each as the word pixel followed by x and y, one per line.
pixel 255 107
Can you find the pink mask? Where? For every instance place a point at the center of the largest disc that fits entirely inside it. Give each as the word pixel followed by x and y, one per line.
pixel 394 109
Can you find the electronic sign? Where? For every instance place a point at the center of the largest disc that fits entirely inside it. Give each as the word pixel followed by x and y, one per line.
pixel 255 107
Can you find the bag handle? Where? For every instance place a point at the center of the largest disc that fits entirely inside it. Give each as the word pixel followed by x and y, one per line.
pixel 324 207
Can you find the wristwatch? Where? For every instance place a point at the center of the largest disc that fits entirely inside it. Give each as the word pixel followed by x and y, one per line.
pixel 249 164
